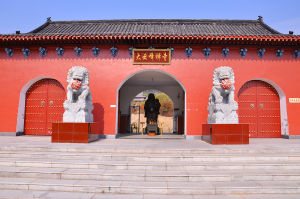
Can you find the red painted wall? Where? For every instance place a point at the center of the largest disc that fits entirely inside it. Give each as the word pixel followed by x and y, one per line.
pixel 107 73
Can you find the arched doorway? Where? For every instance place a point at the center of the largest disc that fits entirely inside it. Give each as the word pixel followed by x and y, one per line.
pixel 43 106
pixel 259 106
pixel 150 80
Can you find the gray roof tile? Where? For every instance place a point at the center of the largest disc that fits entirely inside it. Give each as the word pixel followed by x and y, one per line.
pixel 155 27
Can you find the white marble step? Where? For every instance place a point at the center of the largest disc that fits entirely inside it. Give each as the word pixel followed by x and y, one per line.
pixel 144 165
pixel 18 194
pixel 153 157
pixel 166 188
pixel 150 176
pixel 113 149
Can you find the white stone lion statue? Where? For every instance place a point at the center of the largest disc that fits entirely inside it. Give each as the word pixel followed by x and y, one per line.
pixel 223 86
pixel 222 107
pixel 78 106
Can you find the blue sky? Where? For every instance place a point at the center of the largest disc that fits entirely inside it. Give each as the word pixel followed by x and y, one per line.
pixel 27 15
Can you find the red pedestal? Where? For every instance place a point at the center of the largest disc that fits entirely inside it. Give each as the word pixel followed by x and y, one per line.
pixel 75 132
pixel 151 133
pixel 226 133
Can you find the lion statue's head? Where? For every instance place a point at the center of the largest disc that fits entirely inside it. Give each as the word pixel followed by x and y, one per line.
pixel 78 73
pixel 223 74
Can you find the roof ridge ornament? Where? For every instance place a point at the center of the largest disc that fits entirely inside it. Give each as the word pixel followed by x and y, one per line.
pixel 260 18
pixel 48 19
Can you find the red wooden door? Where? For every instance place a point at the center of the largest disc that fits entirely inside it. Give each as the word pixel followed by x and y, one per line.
pixel 44 105
pixel 259 106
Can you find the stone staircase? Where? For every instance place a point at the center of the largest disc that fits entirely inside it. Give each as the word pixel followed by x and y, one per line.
pixel 82 172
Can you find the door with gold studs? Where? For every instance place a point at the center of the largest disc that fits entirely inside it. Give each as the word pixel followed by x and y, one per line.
pixel 259 106
pixel 43 106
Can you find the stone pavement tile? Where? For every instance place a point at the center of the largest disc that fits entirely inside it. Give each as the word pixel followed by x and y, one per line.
pixel 82 174
pixel 220 197
pixel 287 177
pixel 249 196
pixel 210 178
pixel 272 196
pixel 144 190
pixel 117 196
pixel 12 159
pixel 68 195
pixel 33 163
pixel 166 178
pixel 30 174
pixel 54 181
pixel 43 170
pixel 237 188
pixel 166 173
pixel 20 194
pixel 182 185
pixel 83 171
pixel 12 169
pixel 16 180
pixel 151 196
pixel 191 191
pixel 124 172
pixel 135 178
pixel 144 184
pixel 52 185
pixel 97 186
pixel 235 184
pixel 97 183
pixel 280 184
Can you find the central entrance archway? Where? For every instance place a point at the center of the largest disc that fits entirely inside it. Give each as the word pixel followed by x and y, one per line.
pixel 137 113
pixel 150 80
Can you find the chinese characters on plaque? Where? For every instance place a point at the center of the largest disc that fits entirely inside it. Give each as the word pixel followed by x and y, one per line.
pixel 151 56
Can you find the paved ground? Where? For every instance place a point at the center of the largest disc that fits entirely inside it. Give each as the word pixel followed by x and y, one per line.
pixel 157 144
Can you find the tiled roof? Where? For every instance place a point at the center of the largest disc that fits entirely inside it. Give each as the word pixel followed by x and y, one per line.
pixel 156 27
pixel 153 31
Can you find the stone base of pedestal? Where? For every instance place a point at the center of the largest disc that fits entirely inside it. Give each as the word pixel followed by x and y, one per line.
pixel 75 132
pixel 152 129
pixel 225 133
